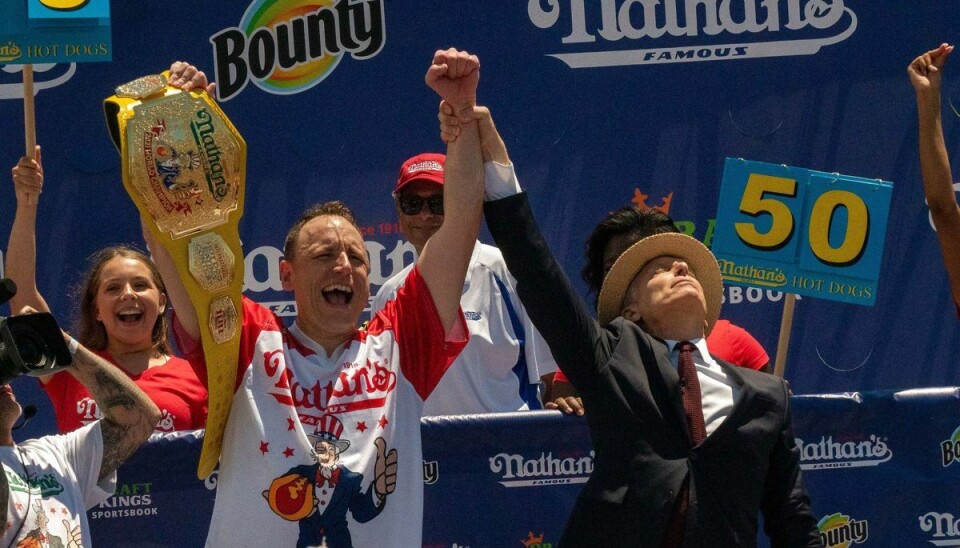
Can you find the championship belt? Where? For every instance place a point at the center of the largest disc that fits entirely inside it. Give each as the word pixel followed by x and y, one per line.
pixel 184 165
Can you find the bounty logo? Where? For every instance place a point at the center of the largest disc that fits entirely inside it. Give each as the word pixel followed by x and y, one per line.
pixel 686 31
pixel 518 471
pixel 839 531
pixel 289 46
pixel 828 453
pixel 950 448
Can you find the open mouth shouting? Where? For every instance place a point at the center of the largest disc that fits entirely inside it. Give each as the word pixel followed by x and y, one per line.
pixel 338 294
pixel 130 316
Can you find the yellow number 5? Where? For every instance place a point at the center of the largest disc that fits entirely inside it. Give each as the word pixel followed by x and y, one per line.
pixel 754 203
pixel 64 5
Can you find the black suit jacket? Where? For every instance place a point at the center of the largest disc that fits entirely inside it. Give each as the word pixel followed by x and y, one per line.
pixel 630 389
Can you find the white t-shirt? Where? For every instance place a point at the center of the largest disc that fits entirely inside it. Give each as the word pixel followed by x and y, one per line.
pixel 373 386
pixel 500 368
pixel 53 481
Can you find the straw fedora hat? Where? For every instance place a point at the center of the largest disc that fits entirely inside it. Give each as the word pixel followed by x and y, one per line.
pixel 700 260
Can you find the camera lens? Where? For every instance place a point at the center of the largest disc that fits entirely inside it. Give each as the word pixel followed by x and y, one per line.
pixel 32 348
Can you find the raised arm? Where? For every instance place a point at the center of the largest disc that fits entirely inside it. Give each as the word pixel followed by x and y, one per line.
pixel 21 262
pixel 926 75
pixel 557 311
pixel 186 77
pixel 129 416
pixel 454 76
pixel 176 292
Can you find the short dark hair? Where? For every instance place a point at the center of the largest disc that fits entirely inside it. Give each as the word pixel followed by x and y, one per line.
pixel 334 207
pixel 626 220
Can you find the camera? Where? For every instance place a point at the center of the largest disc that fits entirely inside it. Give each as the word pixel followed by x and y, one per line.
pixel 30 344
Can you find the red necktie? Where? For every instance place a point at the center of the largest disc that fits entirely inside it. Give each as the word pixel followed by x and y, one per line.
pixel 690 393
pixel 693 407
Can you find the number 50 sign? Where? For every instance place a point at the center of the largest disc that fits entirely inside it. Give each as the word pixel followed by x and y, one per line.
pixel 801 231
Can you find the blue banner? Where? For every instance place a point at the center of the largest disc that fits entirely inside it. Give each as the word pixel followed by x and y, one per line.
pixel 600 103
pixel 881 469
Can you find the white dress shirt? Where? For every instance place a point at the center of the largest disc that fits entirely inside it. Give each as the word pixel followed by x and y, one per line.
pixel 718 390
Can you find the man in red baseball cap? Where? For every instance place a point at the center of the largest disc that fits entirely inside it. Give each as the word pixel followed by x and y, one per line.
pixel 418 197
pixel 501 367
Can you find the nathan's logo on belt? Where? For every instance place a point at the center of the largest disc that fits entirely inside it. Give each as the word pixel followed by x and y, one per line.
pixel 670 31
pixel 286 47
pixel 203 131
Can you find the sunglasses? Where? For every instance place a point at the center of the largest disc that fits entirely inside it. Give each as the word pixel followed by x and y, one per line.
pixel 412 204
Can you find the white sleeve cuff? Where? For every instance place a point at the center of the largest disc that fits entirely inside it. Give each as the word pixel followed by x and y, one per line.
pixel 499 181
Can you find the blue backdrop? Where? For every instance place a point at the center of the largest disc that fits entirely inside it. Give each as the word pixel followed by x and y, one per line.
pixel 665 96
pixel 882 470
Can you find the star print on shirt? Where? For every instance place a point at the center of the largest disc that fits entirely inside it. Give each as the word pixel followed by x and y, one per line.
pixel 264 447
pixel 383 421
pixel 288 452
pixel 362 426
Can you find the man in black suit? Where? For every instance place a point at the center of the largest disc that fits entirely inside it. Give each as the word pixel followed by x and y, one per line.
pixel 689 449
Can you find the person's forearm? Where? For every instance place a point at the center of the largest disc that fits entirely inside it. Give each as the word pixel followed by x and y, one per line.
pixel 446 256
pixel 129 416
pixel 21 258
pixel 491 143
pixel 176 291
pixel 934 161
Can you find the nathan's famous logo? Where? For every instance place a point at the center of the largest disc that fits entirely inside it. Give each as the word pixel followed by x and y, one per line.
pixel 840 531
pixel 289 46
pixel 10 52
pixel 203 133
pixel 950 448
pixel 828 453
pixel 129 499
pixel 358 386
pixel 518 471
pixel 44 485
pixel 683 31
pixel 748 273
pixel 944 526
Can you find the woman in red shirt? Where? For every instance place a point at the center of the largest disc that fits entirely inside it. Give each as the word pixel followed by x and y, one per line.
pixel 122 317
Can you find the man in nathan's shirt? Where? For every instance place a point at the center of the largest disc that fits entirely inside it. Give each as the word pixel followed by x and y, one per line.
pixel 323 441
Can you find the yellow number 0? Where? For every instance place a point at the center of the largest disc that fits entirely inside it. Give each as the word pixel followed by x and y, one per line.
pixel 64 5
pixel 858 227
pixel 754 203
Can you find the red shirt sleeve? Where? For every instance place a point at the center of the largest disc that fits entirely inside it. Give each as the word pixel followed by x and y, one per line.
pixel 733 344
pixel 425 349
pixel 256 319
